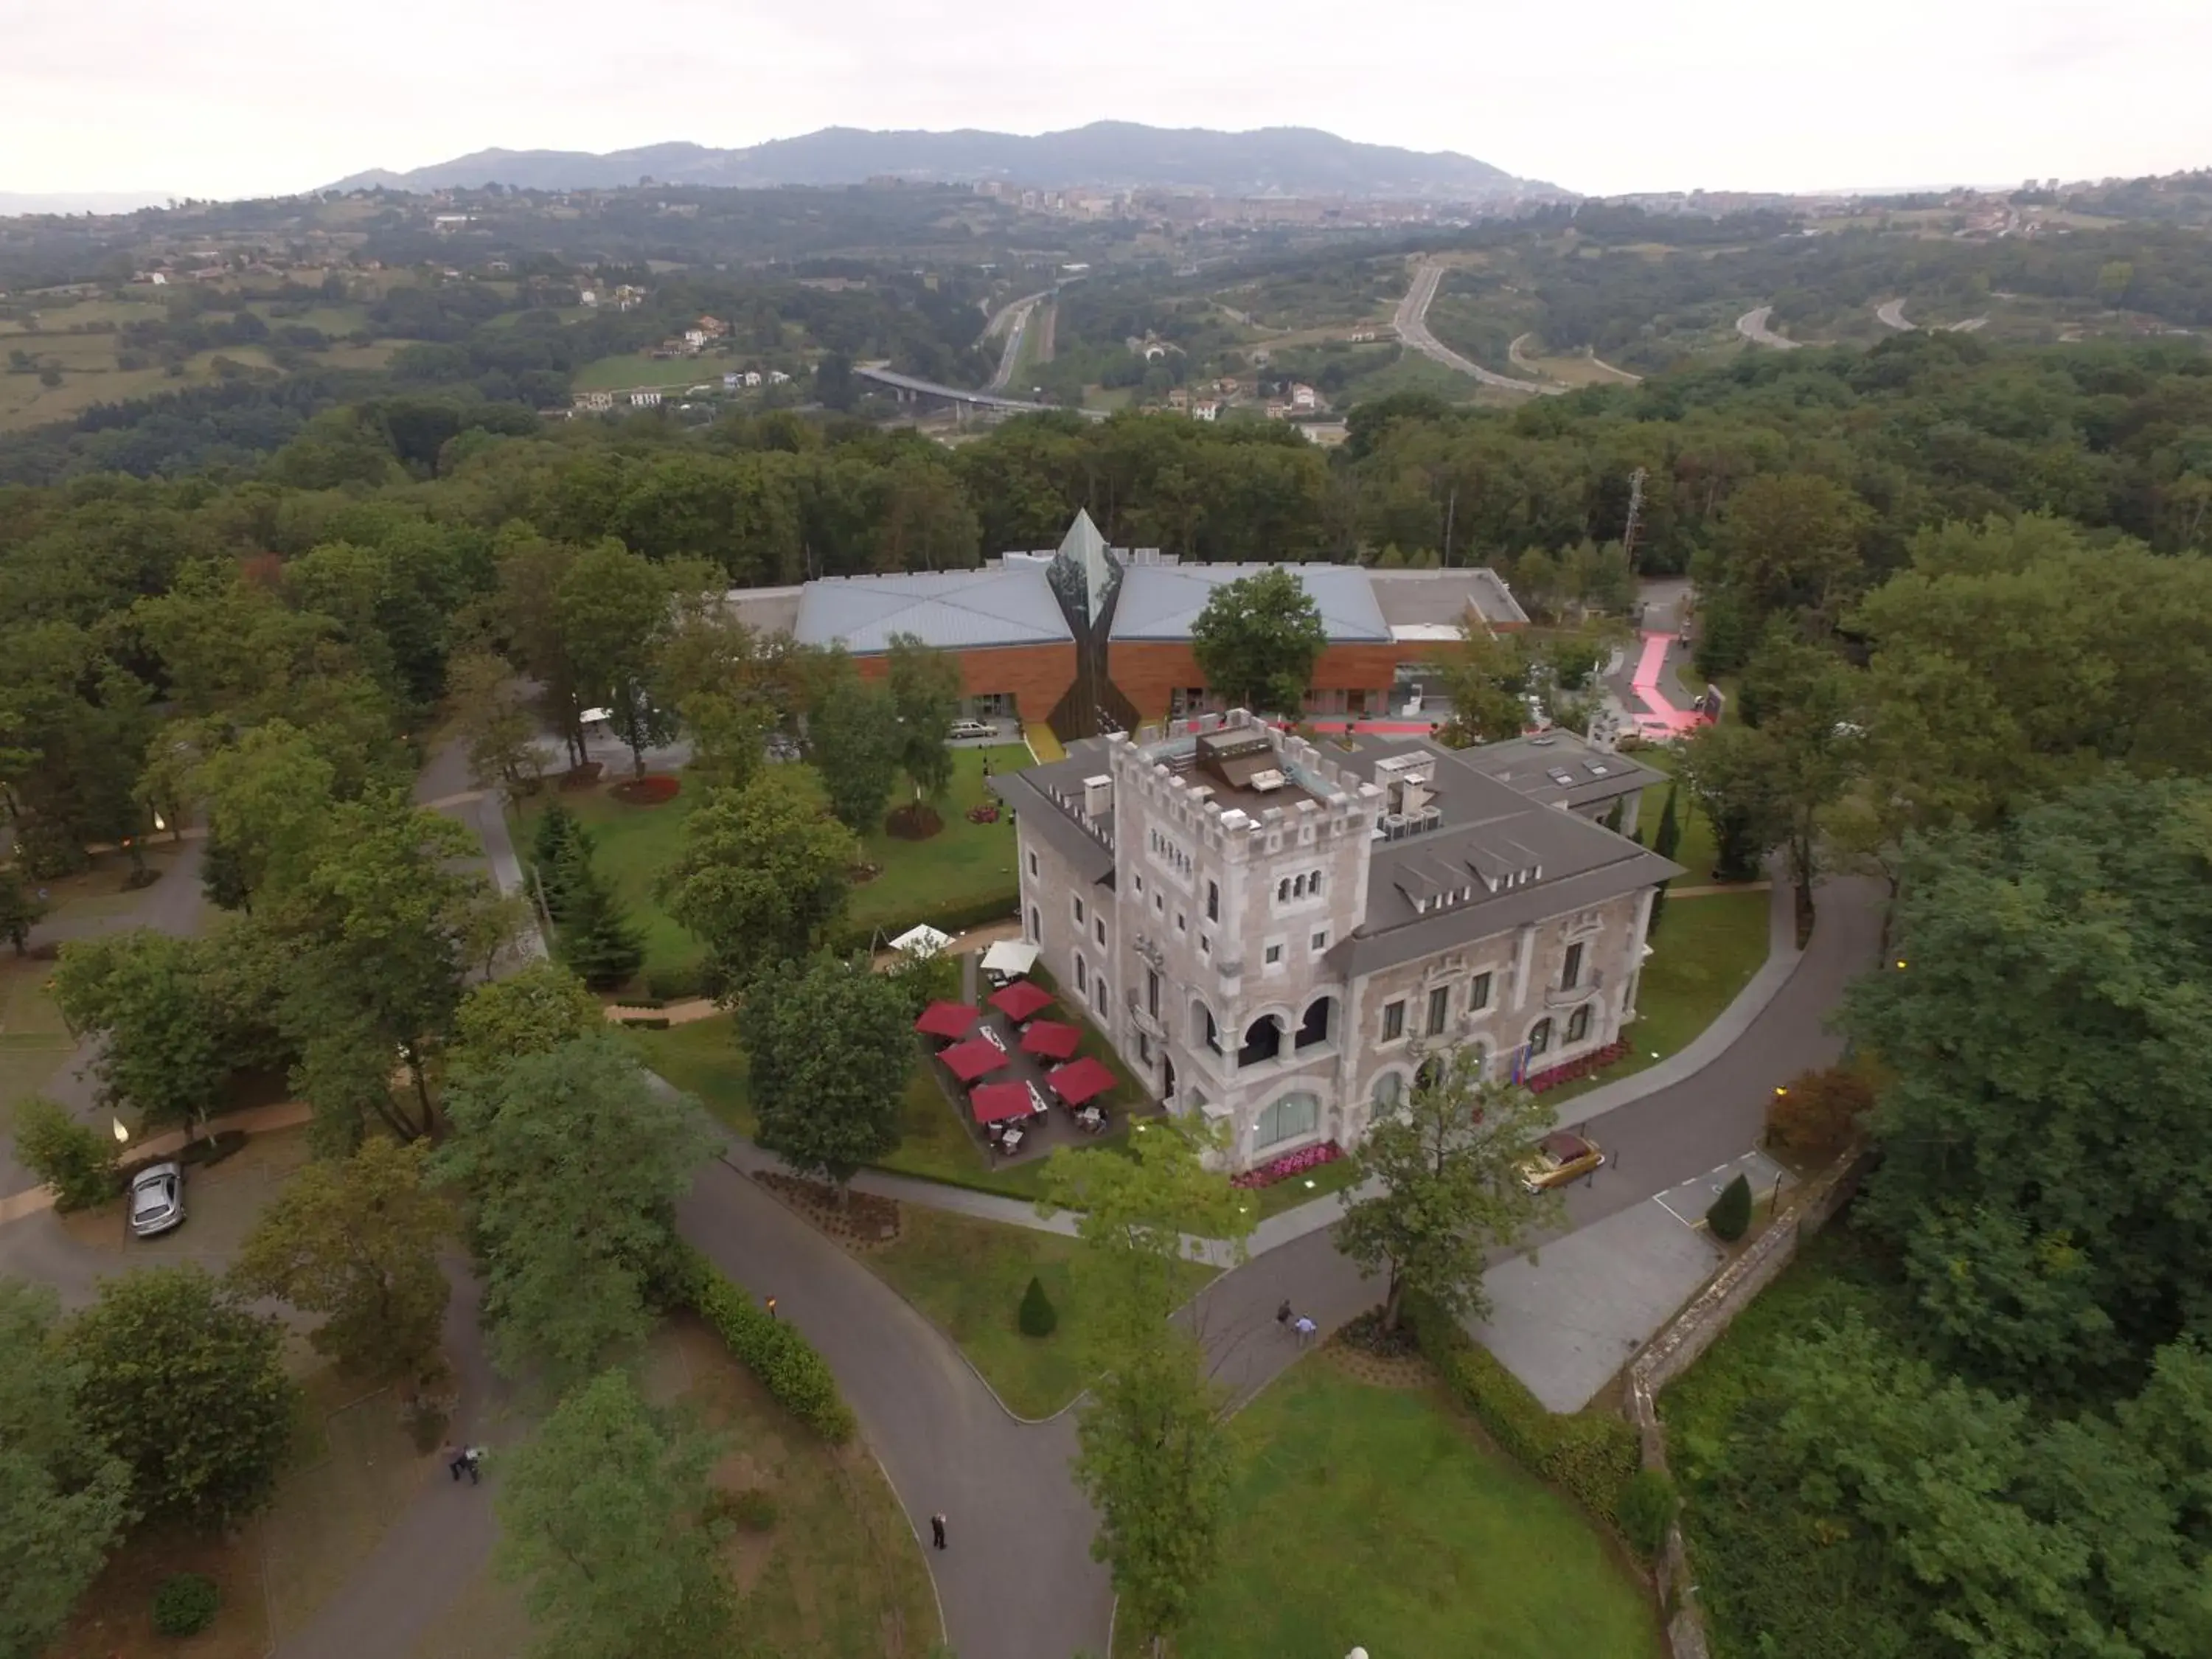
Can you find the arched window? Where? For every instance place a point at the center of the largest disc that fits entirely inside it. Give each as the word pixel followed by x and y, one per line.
pixel 1539 1037
pixel 1578 1023
pixel 1203 1030
pixel 1298 887
pixel 1287 1118
pixel 1315 1026
pixel 1430 1074
pixel 1313 882
pixel 1263 1040
pixel 1389 1090
pixel 1282 890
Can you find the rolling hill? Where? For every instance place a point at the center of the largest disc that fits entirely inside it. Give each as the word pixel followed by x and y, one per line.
pixel 1280 161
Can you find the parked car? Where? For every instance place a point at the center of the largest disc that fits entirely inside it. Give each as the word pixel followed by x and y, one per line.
pixel 974 729
pixel 1561 1157
pixel 157 1198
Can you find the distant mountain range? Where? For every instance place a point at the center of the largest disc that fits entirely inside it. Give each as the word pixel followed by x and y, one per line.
pixel 1111 155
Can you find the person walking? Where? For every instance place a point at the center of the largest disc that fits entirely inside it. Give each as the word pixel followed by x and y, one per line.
pixel 771 1307
pixel 456 1460
pixel 1283 1314
pixel 1305 1328
pixel 473 1457
pixel 937 1531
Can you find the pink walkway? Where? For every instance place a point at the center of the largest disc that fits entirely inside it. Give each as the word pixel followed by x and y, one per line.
pixel 1659 716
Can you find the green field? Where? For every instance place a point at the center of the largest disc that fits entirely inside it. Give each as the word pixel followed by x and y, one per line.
pixel 963 864
pixel 1373 1517
pixel 619 374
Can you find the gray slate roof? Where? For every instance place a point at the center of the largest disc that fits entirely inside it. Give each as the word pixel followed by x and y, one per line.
pixel 1444 596
pixel 1533 765
pixel 1161 601
pixel 953 609
pixel 1025 792
pixel 1488 827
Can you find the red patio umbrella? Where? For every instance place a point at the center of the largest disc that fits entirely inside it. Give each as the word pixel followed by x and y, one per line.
pixel 1051 1039
pixel 994 1102
pixel 947 1019
pixel 1079 1081
pixel 973 1058
pixel 1021 1001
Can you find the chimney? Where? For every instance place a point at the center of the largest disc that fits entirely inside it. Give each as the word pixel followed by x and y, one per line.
pixel 1097 796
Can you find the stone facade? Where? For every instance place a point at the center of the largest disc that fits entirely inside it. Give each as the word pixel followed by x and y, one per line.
pixel 1231 944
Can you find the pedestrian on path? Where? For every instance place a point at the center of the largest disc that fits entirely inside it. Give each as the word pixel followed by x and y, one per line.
pixel 456 1460
pixel 474 1458
pixel 937 1531
pixel 1283 1313
pixel 771 1307
pixel 1305 1328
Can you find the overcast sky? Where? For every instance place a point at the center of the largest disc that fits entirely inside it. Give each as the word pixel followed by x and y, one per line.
pixel 232 98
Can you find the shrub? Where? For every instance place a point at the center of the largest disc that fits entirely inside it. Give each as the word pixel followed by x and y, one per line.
pixel 1646 1509
pixel 185 1604
pixel 75 1159
pixel 1590 1455
pixel 648 1023
pixel 677 984
pixel 1731 1216
pixel 785 1362
pixel 751 1509
pixel 1038 1317
pixel 1817 1113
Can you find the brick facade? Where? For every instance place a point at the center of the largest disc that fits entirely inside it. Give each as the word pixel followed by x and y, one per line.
pixel 1150 672
pixel 1037 676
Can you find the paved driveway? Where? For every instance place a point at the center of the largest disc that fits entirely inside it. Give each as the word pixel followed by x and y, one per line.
pixel 1567 1318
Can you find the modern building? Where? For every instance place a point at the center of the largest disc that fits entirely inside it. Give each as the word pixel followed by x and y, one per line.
pixel 1275 935
pixel 1088 638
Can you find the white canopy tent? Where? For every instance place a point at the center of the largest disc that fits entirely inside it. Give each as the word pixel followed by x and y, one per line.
pixel 1010 957
pixel 922 941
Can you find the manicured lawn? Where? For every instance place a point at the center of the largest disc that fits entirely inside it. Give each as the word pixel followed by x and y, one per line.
pixel 1368 1517
pixel 962 865
pixel 1324 1182
pixel 1706 950
pixel 969 1277
pixel 702 1058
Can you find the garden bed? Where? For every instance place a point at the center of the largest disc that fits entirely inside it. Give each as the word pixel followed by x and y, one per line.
pixel 860 1221
pixel 655 791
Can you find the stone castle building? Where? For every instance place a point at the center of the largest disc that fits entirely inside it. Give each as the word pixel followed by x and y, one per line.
pixel 1273 934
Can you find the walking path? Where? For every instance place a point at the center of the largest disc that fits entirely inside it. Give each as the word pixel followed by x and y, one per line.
pixel 1659 718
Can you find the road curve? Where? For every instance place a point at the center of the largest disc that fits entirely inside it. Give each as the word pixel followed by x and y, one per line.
pixel 1412 325
pixel 1753 327
pixel 1891 315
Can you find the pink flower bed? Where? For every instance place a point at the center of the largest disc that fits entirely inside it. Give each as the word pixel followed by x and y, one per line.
pixel 986 813
pixel 1291 1164
pixel 1575 1069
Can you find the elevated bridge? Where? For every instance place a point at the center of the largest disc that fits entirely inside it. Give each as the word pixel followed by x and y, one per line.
pixel 907 388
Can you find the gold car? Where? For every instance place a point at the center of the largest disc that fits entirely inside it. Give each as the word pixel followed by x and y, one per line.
pixel 1561 1157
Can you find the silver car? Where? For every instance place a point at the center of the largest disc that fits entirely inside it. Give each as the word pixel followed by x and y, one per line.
pixel 157 1198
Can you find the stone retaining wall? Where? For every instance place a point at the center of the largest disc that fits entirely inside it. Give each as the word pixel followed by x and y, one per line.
pixel 1696 1328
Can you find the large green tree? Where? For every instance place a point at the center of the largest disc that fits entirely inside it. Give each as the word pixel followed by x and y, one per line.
pixel 762 877
pixel 1257 641
pixel 830 1045
pixel 2045 1120
pixel 615 610
pixel 64 1498
pixel 186 1385
pixel 356 1241
pixel 1446 1162
pixel 147 995
pixel 571 1161
pixel 1153 1452
pixel 538 1007
pixel 924 688
pixel 604 1518
pixel 853 735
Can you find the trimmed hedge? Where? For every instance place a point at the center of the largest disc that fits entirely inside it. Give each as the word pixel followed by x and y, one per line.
pixel 647 1023
pixel 785 1362
pixel 185 1604
pixel 679 984
pixel 1590 1455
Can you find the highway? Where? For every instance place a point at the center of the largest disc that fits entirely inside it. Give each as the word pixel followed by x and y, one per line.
pixel 1013 321
pixel 1753 327
pixel 1412 325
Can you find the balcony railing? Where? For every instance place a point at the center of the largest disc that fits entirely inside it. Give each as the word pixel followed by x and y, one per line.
pixel 1566 996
